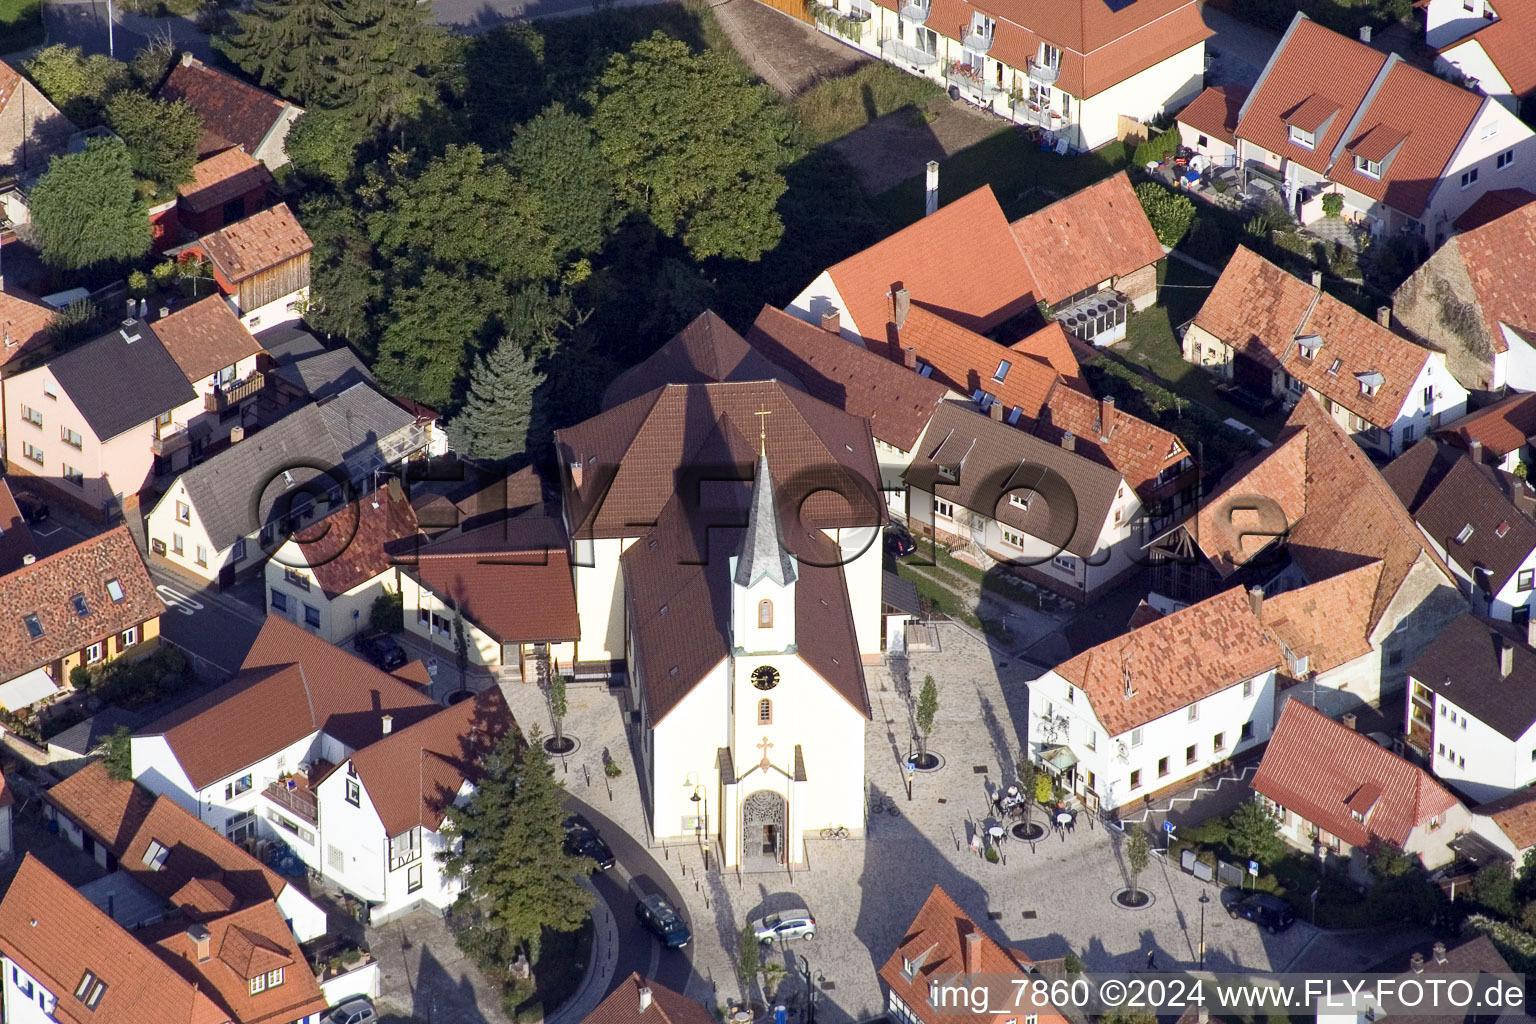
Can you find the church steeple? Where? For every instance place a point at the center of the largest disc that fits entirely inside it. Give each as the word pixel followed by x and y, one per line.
pixel 763 554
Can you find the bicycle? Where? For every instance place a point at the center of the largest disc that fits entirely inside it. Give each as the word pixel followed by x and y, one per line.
pixel 883 803
pixel 840 832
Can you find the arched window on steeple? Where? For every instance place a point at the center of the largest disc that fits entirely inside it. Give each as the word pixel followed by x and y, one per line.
pixel 765 712
pixel 764 614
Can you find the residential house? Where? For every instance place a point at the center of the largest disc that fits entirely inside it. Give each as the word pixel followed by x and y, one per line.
pixel 1362 134
pixel 305 745
pixel 1074 69
pixel 17 545
pixel 639 1000
pixel 219 357
pixel 945 946
pixel 85 605
pixel 1472 298
pixel 1464 510
pixel 154 840
pixel 67 961
pixel 24 322
pixel 1498 434
pixel 75 747
pixel 220 518
pixel 327 575
pixel 1484 45
pixel 1472 708
pixel 1094 248
pixel 87 423
pixel 32 131
pixel 1508 823
pixel 1209 124
pixel 261 263
pixel 1337 791
pixel 512 586
pixel 1274 334
pixel 1050 514
pixel 1408 970
pixel 235 115
pixel 623 466
pixel 1160 704
pixel 225 188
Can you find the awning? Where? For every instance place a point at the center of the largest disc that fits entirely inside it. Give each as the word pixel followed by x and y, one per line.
pixel 1059 759
pixel 26 690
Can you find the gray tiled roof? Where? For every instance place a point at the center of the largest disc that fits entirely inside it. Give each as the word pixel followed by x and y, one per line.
pixel 118 384
pixel 325 374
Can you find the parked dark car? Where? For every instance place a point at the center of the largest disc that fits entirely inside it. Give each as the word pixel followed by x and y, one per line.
pixel 33 509
pixel 381 649
pixel 667 924
pixel 1264 910
pixel 898 542
pixel 582 840
pixel 1260 403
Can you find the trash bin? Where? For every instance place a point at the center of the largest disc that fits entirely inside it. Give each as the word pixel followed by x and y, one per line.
pixel 954 92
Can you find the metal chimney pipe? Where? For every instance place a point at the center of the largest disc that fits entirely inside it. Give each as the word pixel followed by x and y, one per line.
pixel 931 205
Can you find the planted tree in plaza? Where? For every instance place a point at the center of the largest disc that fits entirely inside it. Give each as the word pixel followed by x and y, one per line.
pixel 748 959
pixel 558 707
pixel 1138 853
pixel 927 708
pixel 507 844
pixel 1254 832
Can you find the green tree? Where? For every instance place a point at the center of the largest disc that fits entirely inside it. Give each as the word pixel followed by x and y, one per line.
pixel 696 146
pixel 391 52
pixel 1254 832
pixel 323 144
pixel 1170 214
pixel 387 613
pixel 1072 963
pixel 559 706
pixel 1525 876
pixel 346 285
pixel 1389 860
pixel 1138 854
pixel 292 47
pixel 494 421
pixel 1028 776
pixel 460 646
pixel 923 715
pixel 1494 888
pixel 117 754
pixel 86 211
pixel 748 959
pixel 1127 1017
pixel 557 157
pixel 507 844
pixel 78 85
pixel 153 61
pixel 162 138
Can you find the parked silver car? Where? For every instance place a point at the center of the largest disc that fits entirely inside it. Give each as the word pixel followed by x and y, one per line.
pixel 357 1010
pixel 794 924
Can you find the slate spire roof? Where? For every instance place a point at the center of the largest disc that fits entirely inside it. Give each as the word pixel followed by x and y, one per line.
pixel 762 550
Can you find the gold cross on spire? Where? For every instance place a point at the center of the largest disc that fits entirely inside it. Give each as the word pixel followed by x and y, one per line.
pixel 762 427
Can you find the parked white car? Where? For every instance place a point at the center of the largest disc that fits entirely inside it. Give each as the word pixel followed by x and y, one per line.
pixel 783 927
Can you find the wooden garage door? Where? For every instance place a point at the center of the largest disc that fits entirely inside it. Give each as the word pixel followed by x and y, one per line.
pixel 793 8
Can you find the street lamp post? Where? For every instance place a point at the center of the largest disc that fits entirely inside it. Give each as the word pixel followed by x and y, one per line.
pixel 1205 898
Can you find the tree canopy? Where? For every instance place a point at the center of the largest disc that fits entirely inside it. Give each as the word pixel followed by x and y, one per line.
pixel 86 211
pixel 162 138
pixel 1254 831
pixel 78 85
pixel 494 421
pixel 291 47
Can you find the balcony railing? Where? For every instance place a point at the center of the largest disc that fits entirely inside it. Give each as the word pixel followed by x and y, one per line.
pixel 222 398
pixel 300 799
pixel 1044 73
pixel 976 40
pixel 896 50
pixel 1030 113
pixel 169 439
pixel 964 77
pixel 917 13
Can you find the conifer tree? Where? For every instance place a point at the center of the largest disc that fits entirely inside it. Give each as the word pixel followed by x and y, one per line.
pixel 291 46
pixel 391 52
pixel 494 421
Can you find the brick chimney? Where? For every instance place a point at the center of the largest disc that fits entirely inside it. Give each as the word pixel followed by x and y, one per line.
pixel 1417 963
pixel 1256 601
pixel 388 722
pixel 973 942
pixel 995 410
pixel 1317 279
pixel 909 356
pixel 931 191
pixel 645 998
pixel 201 941
pixel 1475 449
pixel 1439 950
pixel 1069 441
pixel 1106 415
pixel 901 304
pixel 831 321
pixel 1384 316
pixel 1506 658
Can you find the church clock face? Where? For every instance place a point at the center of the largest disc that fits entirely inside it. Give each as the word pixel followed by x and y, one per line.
pixel 765 677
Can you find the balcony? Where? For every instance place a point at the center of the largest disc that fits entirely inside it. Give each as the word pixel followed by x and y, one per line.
pixel 294 795
pixel 976 40
pixel 229 396
pixel 968 79
pixel 1026 112
pixel 897 51
pixel 170 439
pixel 1045 74
pixel 916 13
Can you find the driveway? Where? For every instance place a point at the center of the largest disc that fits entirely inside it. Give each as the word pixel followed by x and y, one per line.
pixel 1238 51
pixel 83 23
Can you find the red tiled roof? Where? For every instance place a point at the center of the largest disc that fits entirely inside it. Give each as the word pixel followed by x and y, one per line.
pixel 968 362
pixel 512 579
pixel 1395 117
pixel 16 540
pixel 1315 767
pixel 943 942
pixel 1093 235
pixel 1515 814
pixel 56 935
pixel 1288 93
pixel 1214 112
pixel 260 242
pixel 962 263
pixel 1134 448
pixel 358 541
pixel 24 324
pixel 1262 499
pixel 292 684
pixel 219 179
pixel 1253 307
pixel 449 746
pixel 196 853
pixel 205 337
pixel 233 113
pixel 1498 259
pixel 897 402
pixel 1327 622
pixel 1173 661
pixel 1501 427
pixel 47 587
pixel 1491 205
pixel 109 810
pixel 622 1006
pixel 1507 42
pixel 1051 346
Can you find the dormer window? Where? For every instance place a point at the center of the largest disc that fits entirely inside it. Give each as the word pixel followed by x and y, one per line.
pixel 1308 344
pixel 1302 137
pixel 1018 500
pixel 1371 382
pixel 1369 168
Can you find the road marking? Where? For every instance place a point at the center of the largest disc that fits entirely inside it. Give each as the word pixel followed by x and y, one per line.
pixel 176 599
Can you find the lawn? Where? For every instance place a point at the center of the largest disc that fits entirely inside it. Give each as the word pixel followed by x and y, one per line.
pixel 834 107
pixel 1023 178
pixel 21 24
